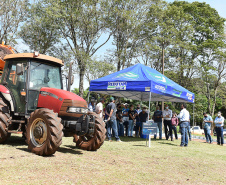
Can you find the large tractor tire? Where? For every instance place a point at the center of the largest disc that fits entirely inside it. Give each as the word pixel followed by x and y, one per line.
pixel 94 142
pixel 44 132
pixel 4 121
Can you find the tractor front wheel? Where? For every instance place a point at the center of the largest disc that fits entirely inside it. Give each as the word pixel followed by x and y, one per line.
pixel 93 142
pixel 44 132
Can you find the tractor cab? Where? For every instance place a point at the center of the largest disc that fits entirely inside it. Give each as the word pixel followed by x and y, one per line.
pixel 25 75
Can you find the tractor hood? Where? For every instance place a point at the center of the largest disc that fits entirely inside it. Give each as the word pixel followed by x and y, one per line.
pixel 56 99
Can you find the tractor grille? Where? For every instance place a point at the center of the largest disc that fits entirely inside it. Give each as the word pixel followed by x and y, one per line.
pixel 71 103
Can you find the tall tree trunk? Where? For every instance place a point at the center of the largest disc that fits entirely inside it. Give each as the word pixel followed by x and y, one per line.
pixel 214 101
pixel 213 108
pixel 81 80
pixel 208 98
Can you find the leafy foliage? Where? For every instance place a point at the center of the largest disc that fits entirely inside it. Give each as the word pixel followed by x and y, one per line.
pixel 12 15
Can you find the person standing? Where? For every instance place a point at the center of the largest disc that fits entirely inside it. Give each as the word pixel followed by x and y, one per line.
pixel 219 123
pixel 132 115
pixel 137 111
pixel 111 121
pixel 174 122
pixel 143 118
pixel 157 117
pixel 207 121
pixel 119 120
pixel 91 106
pixel 125 116
pixel 184 121
pixel 99 108
pixel 167 115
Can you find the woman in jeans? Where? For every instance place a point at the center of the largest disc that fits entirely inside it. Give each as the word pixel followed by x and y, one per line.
pixel 132 116
pixel 174 122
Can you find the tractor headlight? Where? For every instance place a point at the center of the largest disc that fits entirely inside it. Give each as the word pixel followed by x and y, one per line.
pixel 77 110
pixel 84 111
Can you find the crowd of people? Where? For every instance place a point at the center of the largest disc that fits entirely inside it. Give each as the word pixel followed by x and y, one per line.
pixel 123 119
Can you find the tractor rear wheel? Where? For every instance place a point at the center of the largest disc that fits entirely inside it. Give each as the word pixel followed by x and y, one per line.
pixel 4 121
pixel 93 142
pixel 44 132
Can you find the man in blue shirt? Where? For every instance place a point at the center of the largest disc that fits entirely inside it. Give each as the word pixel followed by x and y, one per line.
pixel 207 121
pixel 219 123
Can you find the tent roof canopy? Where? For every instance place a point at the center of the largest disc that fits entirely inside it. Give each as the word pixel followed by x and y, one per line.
pixel 138 82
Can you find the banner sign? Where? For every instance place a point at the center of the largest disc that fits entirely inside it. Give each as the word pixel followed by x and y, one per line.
pixel 149 127
pixel 117 85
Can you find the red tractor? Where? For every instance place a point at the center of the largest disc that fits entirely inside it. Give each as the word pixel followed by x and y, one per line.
pixel 32 100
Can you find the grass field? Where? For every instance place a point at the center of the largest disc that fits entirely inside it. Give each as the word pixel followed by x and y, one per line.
pixel 129 162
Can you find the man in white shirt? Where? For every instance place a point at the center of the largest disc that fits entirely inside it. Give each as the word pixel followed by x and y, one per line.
pixel 99 108
pixel 219 123
pixel 184 117
pixel 167 115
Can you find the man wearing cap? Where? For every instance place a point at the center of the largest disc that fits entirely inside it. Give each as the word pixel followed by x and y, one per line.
pixel 219 123
pixel 99 108
pixel 207 121
pixel 111 122
pixel 91 106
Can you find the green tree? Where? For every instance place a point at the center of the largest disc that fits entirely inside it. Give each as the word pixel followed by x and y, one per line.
pixel 81 24
pixel 97 69
pixel 125 19
pixel 158 33
pixel 12 14
pixel 39 33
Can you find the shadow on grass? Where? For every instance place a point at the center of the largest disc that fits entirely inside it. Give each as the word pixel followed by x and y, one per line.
pixel 172 144
pixel 61 149
pixel 28 151
pixel 131 139
pixel 141 145
pixel 15 141
pixel 71 150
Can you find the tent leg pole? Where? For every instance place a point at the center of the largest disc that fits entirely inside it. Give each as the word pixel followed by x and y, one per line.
pixel 194 114
pixel 149 105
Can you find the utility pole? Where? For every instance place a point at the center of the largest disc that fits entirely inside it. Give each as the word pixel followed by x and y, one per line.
pixel 163 68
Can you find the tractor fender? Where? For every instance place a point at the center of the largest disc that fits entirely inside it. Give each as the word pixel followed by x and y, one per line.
pixel 6 94
pixel 3 89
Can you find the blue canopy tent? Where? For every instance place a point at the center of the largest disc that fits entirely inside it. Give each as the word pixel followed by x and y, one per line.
pixel 143 83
